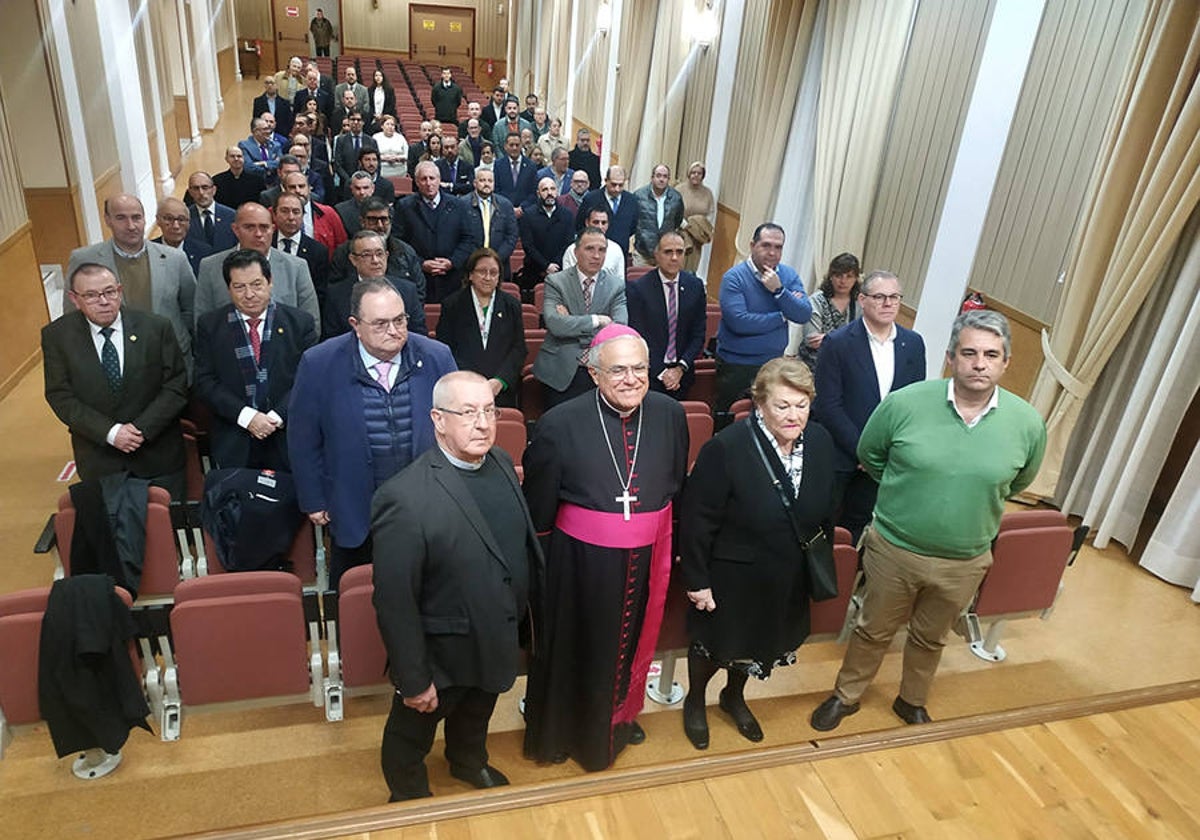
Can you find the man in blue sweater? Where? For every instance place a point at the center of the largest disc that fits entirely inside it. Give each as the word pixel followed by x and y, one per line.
pixel 758 299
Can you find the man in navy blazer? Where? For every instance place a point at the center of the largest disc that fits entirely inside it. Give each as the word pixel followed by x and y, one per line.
pixel 672 363
pixel 211 223
pixel 523 186
pixel 174 222
pixel 270 102
pixel 360 413
pixel 624 208
pixel 439 229
pixel 248 391
pixel 501 232
pixel 857 366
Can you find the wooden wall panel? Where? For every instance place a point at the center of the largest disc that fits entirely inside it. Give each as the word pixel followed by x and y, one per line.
pixel 724 248
pixel 109 184
pixel 171 134
pixel 183 122
pixel 56 230
pixel 25 313
pixel 226 72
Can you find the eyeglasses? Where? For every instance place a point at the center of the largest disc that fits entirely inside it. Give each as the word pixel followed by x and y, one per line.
pixel 373 255
pixel 111 293
pixel 619 372
pixel 487 413
pixel 383 325
pixel 377 220
pixel 484 272
pixel 882 299
pixel 252 286
pixel 173 220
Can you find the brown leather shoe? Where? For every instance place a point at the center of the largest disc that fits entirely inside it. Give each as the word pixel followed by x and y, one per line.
pixel 909 713
pixel 829 714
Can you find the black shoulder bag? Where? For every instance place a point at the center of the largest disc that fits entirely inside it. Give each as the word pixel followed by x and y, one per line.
pixel 818 553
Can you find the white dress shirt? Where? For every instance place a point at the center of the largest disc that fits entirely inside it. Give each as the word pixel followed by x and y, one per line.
pixel 883 354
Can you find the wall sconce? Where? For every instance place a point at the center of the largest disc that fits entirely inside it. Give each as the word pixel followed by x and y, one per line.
pixel 704 27
pixel 604 18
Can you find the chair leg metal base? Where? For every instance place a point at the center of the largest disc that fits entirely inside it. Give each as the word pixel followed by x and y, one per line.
pixel 669 698
pixel 996 654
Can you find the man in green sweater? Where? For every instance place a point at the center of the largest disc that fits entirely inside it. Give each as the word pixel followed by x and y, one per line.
pixel 946 454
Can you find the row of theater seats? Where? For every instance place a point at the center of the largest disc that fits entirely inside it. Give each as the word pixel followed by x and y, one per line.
pixel 259 636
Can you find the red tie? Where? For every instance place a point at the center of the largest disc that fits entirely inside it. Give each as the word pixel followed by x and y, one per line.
pixel 255 339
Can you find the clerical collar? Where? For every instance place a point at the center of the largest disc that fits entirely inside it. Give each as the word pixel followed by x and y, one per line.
pixel 126 254
pixel 460 463
pixel 624 415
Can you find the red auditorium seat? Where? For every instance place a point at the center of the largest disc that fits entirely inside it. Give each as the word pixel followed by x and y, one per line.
pixel 635 271
pixel 160 566
pixel 1030 555
pixel 357 657
pixel 511 436
pixel 20 644
pixel 534 338
pixel 512 289
pixel 700 431
pixel 241 637
pixel 433 313
pixel 531 396
pixel 704 386
pixel 695 407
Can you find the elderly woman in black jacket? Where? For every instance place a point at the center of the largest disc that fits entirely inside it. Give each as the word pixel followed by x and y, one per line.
pixel 758 492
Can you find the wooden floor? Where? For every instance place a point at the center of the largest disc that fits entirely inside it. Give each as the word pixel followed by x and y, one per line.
pixel 1128 773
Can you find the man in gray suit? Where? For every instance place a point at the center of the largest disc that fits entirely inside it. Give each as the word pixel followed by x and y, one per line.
pixel 579 302
pixel 153 277
pixel 352 84
pixel 291 282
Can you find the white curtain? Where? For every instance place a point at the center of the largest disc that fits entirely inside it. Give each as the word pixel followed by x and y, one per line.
pixel 1131 418
pixel 1173 552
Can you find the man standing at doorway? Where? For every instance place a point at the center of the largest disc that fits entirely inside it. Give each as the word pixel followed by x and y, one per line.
pixel 322 32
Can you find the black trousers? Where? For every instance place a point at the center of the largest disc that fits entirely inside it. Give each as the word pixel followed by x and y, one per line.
pixel 854 495
pixel 408 738
pixel 581 383
pixel 341 559
pixel 733 383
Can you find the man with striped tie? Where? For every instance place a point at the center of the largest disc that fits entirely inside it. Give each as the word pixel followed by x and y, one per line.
pixel 667 306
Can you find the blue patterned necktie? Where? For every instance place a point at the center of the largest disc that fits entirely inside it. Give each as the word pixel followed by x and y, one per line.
pixel 110 361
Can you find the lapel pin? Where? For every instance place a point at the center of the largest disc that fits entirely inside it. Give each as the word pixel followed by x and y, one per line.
pixel 133 338
pixel 499 314
pixel 279 330
pixel 418 364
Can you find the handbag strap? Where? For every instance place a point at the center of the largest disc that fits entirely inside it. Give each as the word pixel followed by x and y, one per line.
pixel 783 495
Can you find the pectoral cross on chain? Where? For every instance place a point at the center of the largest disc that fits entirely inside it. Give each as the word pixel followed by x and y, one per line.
pixel 625 499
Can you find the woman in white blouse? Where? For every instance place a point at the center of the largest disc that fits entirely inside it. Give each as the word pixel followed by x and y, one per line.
pixel 393 149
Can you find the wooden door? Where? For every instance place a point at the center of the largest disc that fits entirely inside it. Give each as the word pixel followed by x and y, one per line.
pixel 291 30
pixel 442 35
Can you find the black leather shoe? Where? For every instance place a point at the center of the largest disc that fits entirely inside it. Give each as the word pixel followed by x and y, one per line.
pixel 909 713
pixel 829 714
pixel 695 724
pixel 637 735
pixel 736 708
pixel 485 777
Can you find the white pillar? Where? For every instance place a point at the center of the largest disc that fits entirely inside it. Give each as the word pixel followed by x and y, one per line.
pixel 237 52
pixel 610 85
pixel 1002 68
pixel 189 83
pixel 572 70
pixel 165 181
pixel 732 14
pixel 124 90
pixel 202 50
pixel 58 47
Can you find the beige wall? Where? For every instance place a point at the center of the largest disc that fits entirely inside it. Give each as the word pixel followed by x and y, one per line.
pixel 253 19
pixel 89 75
pixel 27 93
